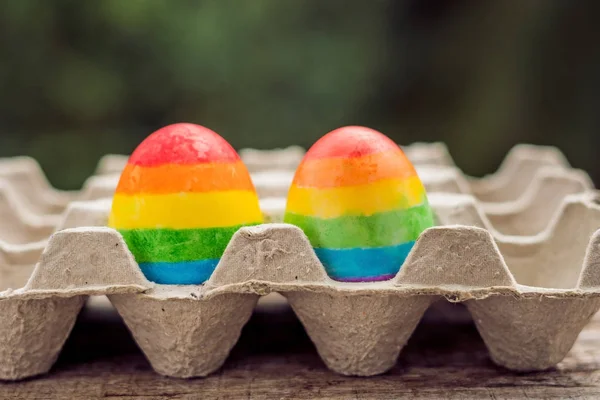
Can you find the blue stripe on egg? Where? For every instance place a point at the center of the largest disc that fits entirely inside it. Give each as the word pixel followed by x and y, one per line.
pixel 350 264
pixel 179 273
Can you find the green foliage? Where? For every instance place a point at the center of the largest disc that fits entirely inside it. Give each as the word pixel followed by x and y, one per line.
pixel 83 78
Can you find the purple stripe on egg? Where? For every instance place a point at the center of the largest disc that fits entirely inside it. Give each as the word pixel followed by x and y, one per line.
pixel 367 278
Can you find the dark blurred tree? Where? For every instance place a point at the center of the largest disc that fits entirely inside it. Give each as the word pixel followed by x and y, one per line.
pixel 81 79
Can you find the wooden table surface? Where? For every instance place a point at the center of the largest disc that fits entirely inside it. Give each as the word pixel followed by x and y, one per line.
pixel 275 359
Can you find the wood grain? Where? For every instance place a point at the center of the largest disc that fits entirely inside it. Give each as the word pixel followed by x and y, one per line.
pixel 275 359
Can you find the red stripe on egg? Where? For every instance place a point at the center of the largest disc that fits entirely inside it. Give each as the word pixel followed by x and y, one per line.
pixel 183 144
pixel 349 142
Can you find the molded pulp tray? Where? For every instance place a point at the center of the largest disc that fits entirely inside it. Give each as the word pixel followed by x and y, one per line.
pixel 525 260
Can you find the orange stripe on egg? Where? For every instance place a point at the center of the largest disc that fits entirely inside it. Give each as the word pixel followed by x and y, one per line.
pixel 176 178
pixel 341 172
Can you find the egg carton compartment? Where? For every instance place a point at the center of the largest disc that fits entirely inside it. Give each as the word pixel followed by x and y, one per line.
pixel 42 290
pixel 508 183
pixel 19 226
pixel 33 189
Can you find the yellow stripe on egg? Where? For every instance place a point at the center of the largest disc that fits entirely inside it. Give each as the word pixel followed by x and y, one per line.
pixel 381 196
pixel 185 210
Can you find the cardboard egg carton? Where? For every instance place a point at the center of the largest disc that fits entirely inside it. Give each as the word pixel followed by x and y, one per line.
pixel 358 329
pixel 530 290
pixel 522 216
pixel 528 174
pixel 273 172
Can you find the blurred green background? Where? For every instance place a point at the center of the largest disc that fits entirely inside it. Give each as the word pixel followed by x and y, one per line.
pixel 80 79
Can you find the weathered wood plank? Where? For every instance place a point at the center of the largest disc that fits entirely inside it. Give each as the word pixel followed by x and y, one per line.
pixel 275 359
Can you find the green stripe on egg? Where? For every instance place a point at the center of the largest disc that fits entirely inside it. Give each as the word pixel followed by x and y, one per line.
pixel 177 245
pixel 378 230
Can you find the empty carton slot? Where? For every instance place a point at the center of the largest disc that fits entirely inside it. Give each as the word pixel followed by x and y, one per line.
pixel 17 264
pixel 32 186
pixel 42 289
pixel 516 173
pixel 542 267
pixel 554 258
pixel 19 227
pixel 533 212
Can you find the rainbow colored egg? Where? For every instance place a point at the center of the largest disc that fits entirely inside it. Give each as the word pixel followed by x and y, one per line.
pixel 360 202
pixel 180 199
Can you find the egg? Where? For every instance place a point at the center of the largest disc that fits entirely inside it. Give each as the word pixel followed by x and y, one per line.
pixel 360 202
pixel 182 195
